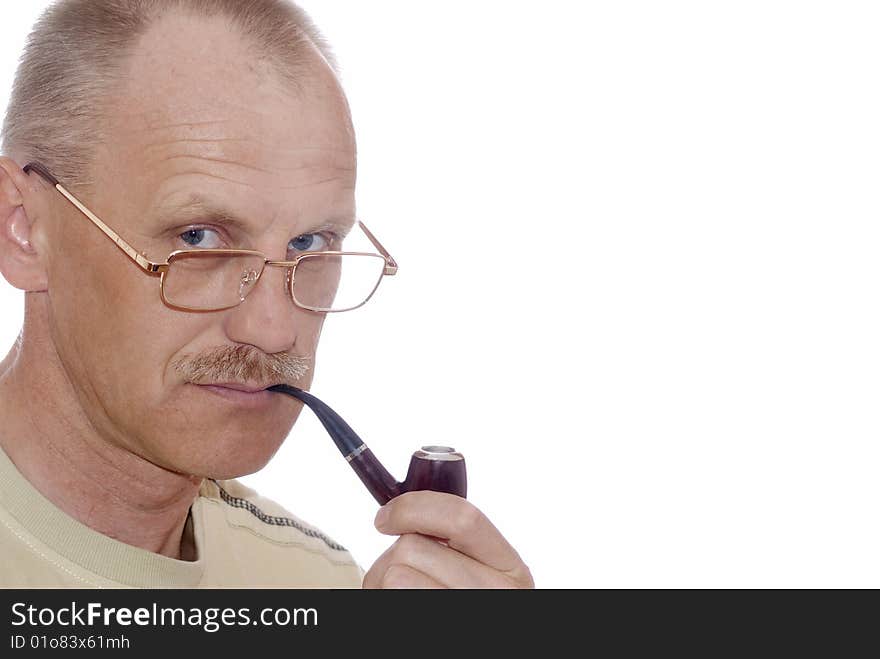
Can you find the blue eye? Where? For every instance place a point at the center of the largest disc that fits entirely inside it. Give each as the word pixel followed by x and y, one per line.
pixel 309 242
pixel 199 237
pixel 193 237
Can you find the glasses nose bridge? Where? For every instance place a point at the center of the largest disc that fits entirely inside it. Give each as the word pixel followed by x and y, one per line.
pixel 251 278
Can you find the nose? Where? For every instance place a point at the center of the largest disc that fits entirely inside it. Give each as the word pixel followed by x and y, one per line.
pixel 267 318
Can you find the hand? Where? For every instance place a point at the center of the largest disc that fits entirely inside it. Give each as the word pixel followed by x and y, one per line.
pixel 445 542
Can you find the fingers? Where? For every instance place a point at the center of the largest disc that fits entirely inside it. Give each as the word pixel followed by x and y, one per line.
pixel 466 530
pixel 398 575
pixel 415 561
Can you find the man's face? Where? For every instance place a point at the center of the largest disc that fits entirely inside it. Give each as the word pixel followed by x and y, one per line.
pixel 197 117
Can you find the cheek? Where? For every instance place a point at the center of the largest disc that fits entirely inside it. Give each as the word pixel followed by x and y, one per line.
pixel 92 278
pixel 308 333
pixel 104 310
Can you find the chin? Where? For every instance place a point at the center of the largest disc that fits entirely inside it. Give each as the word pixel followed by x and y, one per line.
pixel 236 468
pixel 225 456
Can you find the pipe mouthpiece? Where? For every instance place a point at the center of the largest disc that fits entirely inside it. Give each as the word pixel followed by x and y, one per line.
pixel 346 439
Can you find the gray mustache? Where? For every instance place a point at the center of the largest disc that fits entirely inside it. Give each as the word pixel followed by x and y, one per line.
pixel 242 364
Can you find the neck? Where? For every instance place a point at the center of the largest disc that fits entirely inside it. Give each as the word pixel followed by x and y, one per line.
pixel 50 439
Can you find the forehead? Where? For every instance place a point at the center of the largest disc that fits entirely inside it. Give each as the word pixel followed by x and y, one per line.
pixel 198 110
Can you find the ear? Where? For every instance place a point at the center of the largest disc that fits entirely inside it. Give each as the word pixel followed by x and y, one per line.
pixel 21 261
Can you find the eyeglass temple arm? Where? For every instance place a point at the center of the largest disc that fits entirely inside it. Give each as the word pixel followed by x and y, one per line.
pixel 391 264
pixel 130 251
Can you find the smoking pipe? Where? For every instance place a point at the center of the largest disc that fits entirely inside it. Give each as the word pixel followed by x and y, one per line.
pixel 438 468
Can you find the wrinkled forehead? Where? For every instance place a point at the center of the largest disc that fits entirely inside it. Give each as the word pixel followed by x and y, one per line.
pixel 197 102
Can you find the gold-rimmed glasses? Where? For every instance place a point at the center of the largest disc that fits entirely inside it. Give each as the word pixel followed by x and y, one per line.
pixel 220 279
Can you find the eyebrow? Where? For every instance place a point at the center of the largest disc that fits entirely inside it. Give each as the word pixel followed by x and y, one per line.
pixel 198 207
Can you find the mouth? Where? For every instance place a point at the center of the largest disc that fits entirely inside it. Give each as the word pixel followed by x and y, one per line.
pixel 237 386
pixel 240 394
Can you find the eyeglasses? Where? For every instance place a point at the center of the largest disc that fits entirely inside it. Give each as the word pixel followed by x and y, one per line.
pixel 220 279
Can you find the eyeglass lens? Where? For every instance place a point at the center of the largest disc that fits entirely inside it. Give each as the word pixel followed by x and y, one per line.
pixel 321 282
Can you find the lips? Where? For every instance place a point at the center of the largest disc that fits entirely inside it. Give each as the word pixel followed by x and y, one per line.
pixel 246 388
pixel 243 396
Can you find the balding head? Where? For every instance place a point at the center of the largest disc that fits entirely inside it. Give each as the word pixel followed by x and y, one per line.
pixel 78 57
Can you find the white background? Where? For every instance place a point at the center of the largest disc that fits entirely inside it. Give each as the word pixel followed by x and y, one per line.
pixel 638 247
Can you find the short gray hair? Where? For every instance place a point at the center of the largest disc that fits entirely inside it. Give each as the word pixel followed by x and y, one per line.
pixel 76 50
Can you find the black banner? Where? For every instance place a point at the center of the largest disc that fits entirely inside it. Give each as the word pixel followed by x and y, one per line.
pixel 38 622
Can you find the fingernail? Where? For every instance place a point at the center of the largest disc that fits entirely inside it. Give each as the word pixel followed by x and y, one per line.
pixel 382 516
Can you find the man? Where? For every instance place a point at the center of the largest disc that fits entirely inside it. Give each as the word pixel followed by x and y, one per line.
pixel 136 391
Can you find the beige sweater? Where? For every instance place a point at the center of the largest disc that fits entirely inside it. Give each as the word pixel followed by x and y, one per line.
pixel 241 540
